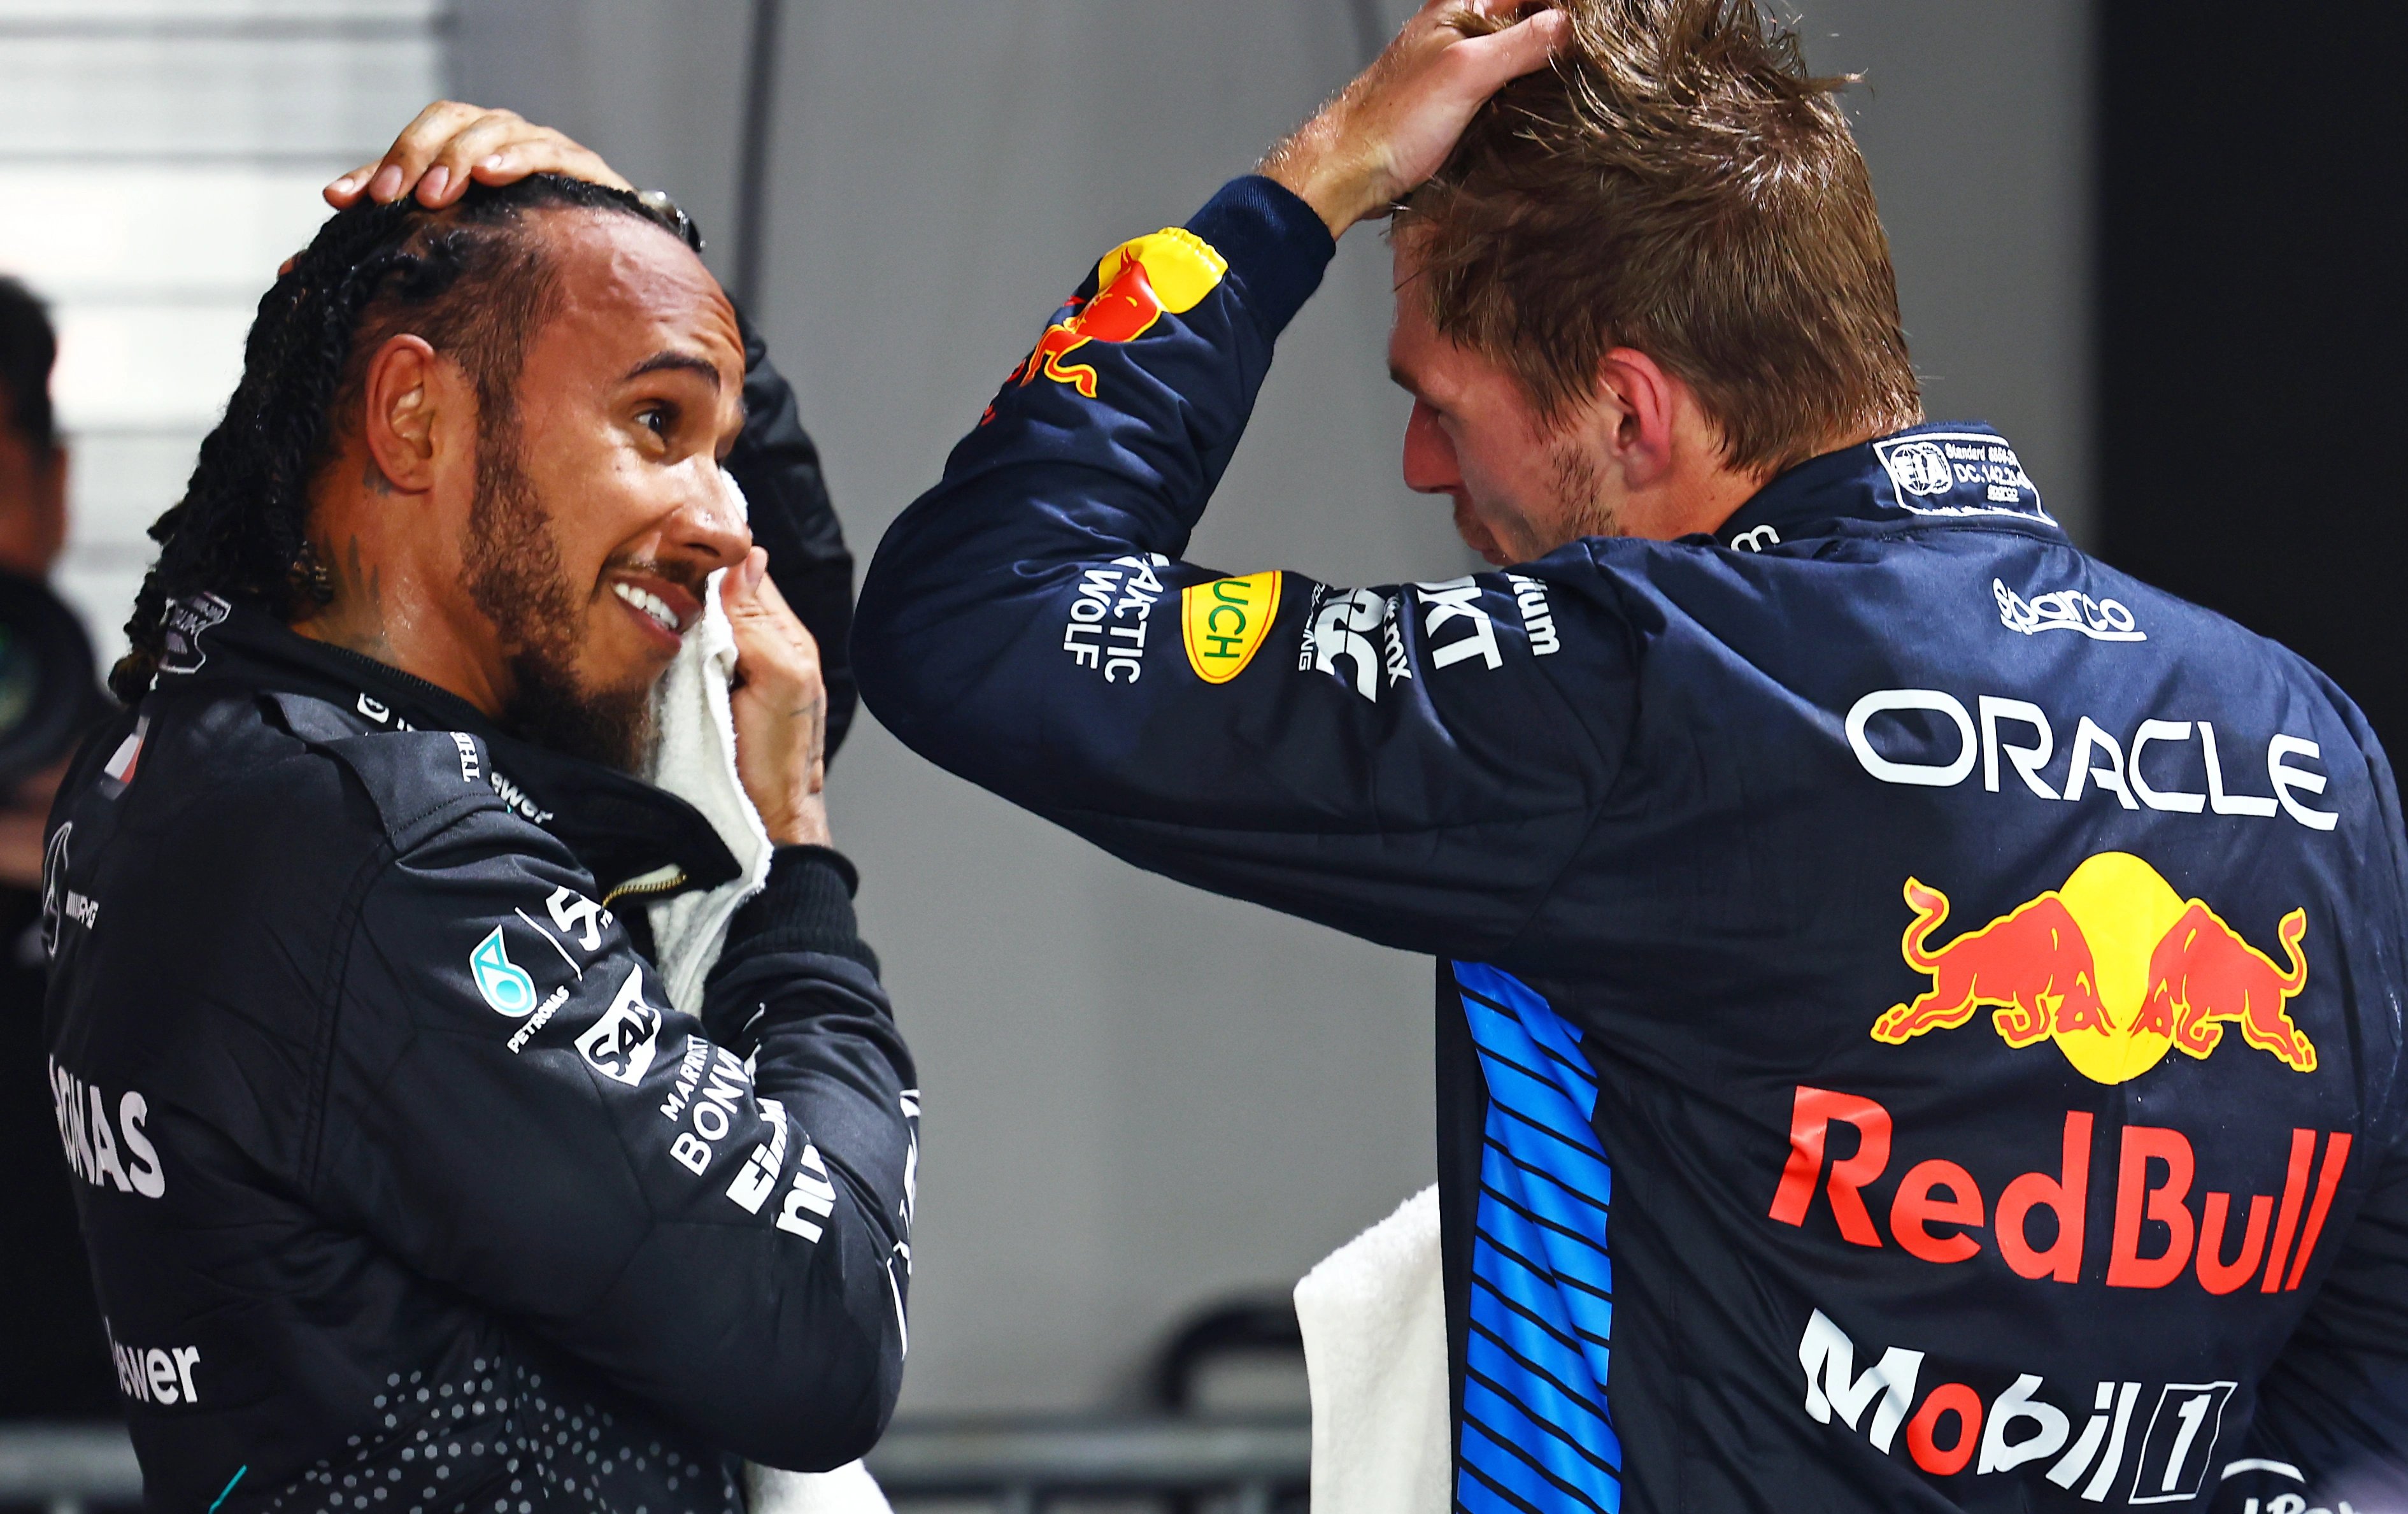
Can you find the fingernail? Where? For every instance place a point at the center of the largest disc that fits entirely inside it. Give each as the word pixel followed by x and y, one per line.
pixel 755 567
pixel 431 187
pixel 386 184
pixel 345 185
pixel 493 162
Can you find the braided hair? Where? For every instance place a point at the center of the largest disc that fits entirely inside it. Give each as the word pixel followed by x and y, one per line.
pixel 468 279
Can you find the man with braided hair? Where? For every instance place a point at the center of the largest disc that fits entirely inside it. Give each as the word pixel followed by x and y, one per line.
pixel 406 1183
pixel 1773 674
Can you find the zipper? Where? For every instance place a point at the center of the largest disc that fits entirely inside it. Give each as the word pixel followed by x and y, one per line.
pixel 659 881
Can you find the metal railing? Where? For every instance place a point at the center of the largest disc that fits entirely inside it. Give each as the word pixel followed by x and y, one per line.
pixel 1021 1465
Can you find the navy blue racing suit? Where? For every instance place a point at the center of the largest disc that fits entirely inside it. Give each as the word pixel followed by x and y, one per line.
pixel 1919 1010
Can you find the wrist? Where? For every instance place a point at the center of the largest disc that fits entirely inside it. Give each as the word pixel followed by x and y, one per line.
pixel 804 824
pixel 1308 167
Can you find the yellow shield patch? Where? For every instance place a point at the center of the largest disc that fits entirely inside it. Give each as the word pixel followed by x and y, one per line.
pixel 1224 622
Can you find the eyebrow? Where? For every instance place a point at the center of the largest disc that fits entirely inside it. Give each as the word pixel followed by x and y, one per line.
pixel 674 362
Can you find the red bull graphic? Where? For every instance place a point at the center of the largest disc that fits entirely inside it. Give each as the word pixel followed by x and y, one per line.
pixel 2033 962
pixel 2115 967
pixel 2203 971
pixel 1136 284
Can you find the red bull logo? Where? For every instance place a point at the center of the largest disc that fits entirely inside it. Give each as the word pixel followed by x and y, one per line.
pixel 1136 284
pixel 2115 967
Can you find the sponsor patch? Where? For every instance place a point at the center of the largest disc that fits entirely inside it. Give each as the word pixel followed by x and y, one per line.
pixel 620 1044
pixel 187 619
pixel 2066 610
pixel 504 984
pixel 2081 1434
pixel 1224 623
pixel 1919 727
pixel 1958 473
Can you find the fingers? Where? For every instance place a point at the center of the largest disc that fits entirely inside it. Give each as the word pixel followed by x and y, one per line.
pixel 756 607
pixel 449 144
pixel 386 179
pixel 1520 49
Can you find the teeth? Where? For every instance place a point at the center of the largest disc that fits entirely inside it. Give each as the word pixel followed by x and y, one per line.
pixel 650 603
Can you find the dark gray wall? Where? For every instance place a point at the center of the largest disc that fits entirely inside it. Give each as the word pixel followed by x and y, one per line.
pixel 1140 1097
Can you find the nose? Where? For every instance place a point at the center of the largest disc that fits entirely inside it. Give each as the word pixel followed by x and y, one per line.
pixel 709 526
pixel 1430 465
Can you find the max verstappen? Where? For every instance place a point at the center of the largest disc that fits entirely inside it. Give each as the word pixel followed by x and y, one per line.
pixel 404 1186
pixel 1919 1011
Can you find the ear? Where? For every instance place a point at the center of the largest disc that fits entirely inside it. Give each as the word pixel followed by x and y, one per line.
pixel 408 398
pixel 1642 404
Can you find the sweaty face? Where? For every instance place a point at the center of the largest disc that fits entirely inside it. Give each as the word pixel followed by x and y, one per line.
pixel 600 514
pixel 1520 488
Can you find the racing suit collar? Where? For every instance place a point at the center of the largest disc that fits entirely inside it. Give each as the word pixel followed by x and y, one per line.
pixel 1939 473
pixel 624 830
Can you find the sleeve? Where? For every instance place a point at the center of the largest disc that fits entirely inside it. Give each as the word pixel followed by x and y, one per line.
pixel 1407 762
pixel 513 1114
pixel 778 466
pixel 2331 1426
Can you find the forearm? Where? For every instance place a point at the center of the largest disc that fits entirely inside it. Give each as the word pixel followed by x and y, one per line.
pixel 778 465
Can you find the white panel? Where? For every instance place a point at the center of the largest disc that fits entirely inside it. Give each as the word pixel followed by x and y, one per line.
pixel 205 96
pixel 115 230
pixel 146 365
pixel 91 14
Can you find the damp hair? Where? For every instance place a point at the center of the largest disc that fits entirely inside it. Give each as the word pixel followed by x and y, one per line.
pixel 470 280
pixel 28 349
pixel 1679 182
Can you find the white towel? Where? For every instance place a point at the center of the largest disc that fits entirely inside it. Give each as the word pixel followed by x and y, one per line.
pixel 696 759
pixel 1373 1315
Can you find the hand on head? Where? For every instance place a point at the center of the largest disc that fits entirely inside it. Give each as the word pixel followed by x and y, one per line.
pixel 1394 125
pixel 451 143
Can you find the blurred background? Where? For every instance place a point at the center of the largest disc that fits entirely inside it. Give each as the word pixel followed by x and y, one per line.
pixel 1143 1103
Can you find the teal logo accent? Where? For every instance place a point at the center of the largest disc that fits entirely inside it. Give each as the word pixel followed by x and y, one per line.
pixel 503 982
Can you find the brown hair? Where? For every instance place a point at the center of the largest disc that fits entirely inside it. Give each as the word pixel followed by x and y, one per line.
pixel 1679 184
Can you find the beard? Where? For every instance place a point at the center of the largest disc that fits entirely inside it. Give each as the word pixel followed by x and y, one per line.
pixel 514 575
pixel 1580 500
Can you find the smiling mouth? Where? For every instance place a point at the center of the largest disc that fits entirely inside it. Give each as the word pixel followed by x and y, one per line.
pixel 650 604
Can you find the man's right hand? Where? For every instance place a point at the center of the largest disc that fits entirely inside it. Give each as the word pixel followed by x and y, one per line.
pixel 449 144
pixel 780 705
pixel 1394 127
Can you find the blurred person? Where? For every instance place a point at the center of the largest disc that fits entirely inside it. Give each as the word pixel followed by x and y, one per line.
pixel 1919 1012
pixel 53 1359
pixel 406 1185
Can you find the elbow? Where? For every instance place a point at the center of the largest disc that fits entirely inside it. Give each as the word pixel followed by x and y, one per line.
pixel 822 1434
pixel 832 1396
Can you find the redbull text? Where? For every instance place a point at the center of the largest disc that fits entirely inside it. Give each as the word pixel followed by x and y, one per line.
pixel 2156 1236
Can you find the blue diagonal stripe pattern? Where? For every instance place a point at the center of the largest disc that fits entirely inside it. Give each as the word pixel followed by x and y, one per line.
pixel 1538 1436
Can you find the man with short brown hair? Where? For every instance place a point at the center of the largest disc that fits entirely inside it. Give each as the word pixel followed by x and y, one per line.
pixel 1918 1009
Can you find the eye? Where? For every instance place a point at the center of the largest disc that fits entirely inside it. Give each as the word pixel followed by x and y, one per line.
pixel 660 420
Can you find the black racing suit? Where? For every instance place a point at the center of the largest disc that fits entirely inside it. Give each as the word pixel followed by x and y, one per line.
pixel 401 1181
pixel 405 1188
